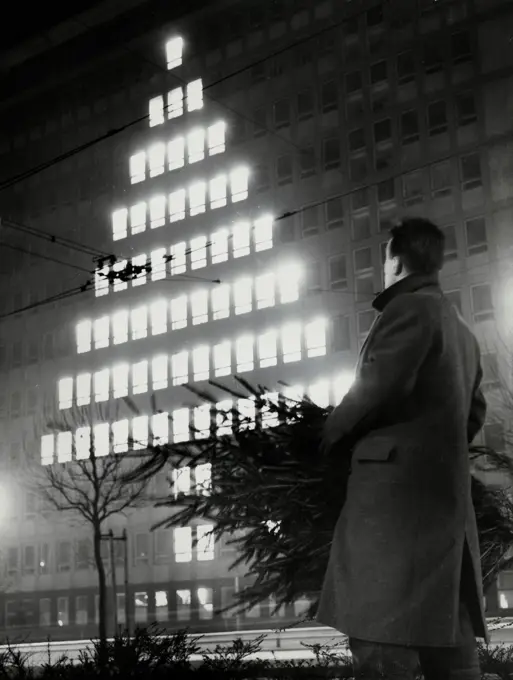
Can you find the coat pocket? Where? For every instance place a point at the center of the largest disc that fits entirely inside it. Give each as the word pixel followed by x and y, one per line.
pixel 377 448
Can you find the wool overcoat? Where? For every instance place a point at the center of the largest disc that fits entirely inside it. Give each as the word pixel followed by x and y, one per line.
pixel 406 544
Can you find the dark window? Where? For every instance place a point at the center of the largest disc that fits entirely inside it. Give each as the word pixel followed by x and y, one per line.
pixel 334 212
pixel 29 559
pixel 341 334
pixel 477 241
pixel 441 179
pixel 258 73
pixel 378 72
pixel 405 67
pixel 466 112
pixel 310 220
pixel 362 260
pixel 461 48
pixel 383 130
pixel 386 191
pixel 482 303
pixel 409 127
pixel 433 57
pixel 305 104
pixel 331 153
pixel 360 199
pixel 375 16
pixel 338 272
pixel 259 122
pixel 262 179
pixel 451 244
pixel 284 169
pixel 282 113
pixel 470 167
pixel 307 162
pixel 329 96
pixel 437 117
pixel 313 276
pixel 353 82
pixel 357 139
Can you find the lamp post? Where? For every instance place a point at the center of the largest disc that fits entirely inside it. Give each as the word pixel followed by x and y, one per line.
pixel 111 538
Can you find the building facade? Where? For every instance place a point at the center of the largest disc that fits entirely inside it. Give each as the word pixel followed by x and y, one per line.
pixel 245 169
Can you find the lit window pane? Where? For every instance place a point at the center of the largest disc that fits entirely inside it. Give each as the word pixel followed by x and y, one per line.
pixel 160 428
pixel 202 421
pixel 205 545
pixel 139 261
pixel 264 291
pixel 139 322
pixel 288 284
pixel 199 252
pixel 197 197
pixel 83 335
pixel 291 342
pixel 101 385
pixel 158 264
pixel 216 138
pixel 138 218
pixel 177 205
pixel 218 192
pixel 161 605
pixel 241 239
pixel 243 294
pixel 219 246
pixel 156 111
pixel 244 354
pixel 140 432
pixel 203 478
pixel 138 167
pixel 120 327
pixel 247 412
pixel 174 52
pixel 180 368
pixel 157 159
pixel 221 301
pixel 196 145
pixel 178 258
pixel 182 546
pixel 83 443
pixel 222 359
pixel 158 317
pixel 263 233
pixel 224 418
pixel 119 283
pixel 201 363
pixel 180 419
pixel 294 393
pixel 175 103
pixel 64 447
pixel 47 449
pixel 199 307
pixel 65 392
pixel 101 282
pixel 239 184
pixel 120 380
pixel 101 439
pixel 179 312
pixel 159 369
pixel 176 153
pixel 101 332
pixel 270 417
pixel 195 95
pixel 120 224
pixel 140 377
pixel 157 211
pixel 315 338
pixel 120 436
pixel 319 393
pixel 83 389
pixel 267 349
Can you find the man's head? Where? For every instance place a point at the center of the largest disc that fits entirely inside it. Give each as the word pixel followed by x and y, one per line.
pixel 416 246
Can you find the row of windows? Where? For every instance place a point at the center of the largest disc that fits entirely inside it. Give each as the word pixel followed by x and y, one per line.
pixel 193 201
pixel 291 343
pixel 177 99
pixel 239 241
pixel 173 155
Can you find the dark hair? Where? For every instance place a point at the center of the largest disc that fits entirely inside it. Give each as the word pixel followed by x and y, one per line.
pixel 419 244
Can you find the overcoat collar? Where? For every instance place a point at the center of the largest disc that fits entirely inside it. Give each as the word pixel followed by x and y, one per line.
pixel 409 284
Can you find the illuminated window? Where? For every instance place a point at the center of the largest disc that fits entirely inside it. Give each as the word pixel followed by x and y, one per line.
pixel 199 307
pixel 247 412
pixel 120 380
pixel 140 432
pixel 161 605
pixel 101 439
pixel 83 389
pixel 218 192
pixel 221 302
pixel 264 291
pixel 178 258
pixel 138 167
pixel 198 252
pixel 201 362
pixel 176 153
pixel 65 392
pixel 177 205
pixel 180 420
pixel 241 239
pixel 157 159
pixel 158 317
pixel 196 145
pixel 293 393
pixel 174 52
pixel 139 322
pixel 288 284
pixel 157 211
pixel 156 111
pixel 120 436
pixel 101 333
pixel 243 296
pixel 83 334
pixel 83 443
pixel 203 478
pixel 222 359
pixel 205 547
pixel 120 327
pixel 319 393
pixel 180 368
pixel 315 338
pixel 291 342
pixel 224 418
pixel 195 95
pixel 244 354
pixel 160 428
pixel 64 447
pixel 216 138
pixel 138 218
pixel 139 261
pixel 175 103
pixel 101 385
pixel 267 354
pixel 182 545
pixel 47 449
pixel 219 246
pixel 179 312
pixel 101 282
pixel 269 415
pixel 140 377
pixel 120 224
pixel 197 197
pixel 239 184
pixel 263 233
pixel 119 284
pixel 342 385
pixel 158 264
pixel 159 369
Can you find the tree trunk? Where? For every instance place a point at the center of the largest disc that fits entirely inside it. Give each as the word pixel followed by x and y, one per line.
pixel 102 595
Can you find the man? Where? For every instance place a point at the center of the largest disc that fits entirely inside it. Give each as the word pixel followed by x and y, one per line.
pixel 404 574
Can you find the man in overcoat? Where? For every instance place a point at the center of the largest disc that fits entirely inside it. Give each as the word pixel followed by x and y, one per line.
pixel 404 575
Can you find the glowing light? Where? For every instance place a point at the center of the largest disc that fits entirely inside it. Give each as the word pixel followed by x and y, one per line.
pixel 174 52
